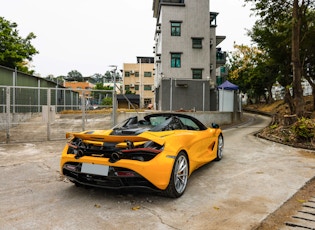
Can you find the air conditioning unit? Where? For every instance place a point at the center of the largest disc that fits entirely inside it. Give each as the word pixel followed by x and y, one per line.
pixel 132 72
pixel 132 85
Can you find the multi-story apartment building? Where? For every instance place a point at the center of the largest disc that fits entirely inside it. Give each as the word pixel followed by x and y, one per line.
pixel 186 55
pixel 139 79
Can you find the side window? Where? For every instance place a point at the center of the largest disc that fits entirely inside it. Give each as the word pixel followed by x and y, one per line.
pixel 147 74
pixel 176 28
pixel 175 60
pixel 189 124
pixel 127 74
pixel 197 43
pixel 196 73
pixel 147 87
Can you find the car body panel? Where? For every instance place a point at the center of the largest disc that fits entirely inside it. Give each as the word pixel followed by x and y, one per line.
pixel 200 146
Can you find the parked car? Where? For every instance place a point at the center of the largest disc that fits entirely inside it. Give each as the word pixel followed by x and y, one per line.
pixel 159 152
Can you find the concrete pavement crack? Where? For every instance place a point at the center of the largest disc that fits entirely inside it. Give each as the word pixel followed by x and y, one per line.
pixel 160 218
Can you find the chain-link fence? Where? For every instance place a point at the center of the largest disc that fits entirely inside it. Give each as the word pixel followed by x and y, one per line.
pixel 38 114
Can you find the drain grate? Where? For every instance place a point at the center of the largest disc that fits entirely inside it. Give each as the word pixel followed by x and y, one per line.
pixel 304 218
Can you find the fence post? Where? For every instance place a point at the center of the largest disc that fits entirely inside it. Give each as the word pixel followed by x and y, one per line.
pixel 13 89
pixel 48 113
pixel 83 104
pixel 8 114
pixel 38 96
pixel 114 102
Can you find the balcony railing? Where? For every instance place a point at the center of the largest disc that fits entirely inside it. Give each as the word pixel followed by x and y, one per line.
pixel 221 57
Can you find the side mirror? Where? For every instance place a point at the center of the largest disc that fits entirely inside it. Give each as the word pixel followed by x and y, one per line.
pixel 215 126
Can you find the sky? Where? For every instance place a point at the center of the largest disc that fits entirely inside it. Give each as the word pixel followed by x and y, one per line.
pixel 91 35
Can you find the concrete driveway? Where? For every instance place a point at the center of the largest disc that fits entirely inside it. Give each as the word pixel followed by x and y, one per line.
pixel 253 179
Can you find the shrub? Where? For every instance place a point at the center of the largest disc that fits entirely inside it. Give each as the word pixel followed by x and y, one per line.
pixel 304 128
pixel 107 101
pixel 274 126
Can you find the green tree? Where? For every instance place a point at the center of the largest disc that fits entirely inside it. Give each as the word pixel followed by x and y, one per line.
pixel 108 76
pixel 101 92
pixel 74 75
pixel 273 38
pixel 15 51
pixel 96 78
pixel 253 71
pixel 308 51
pixel 294 13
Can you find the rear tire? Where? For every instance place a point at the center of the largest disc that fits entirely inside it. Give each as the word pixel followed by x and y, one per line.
pixel 179 177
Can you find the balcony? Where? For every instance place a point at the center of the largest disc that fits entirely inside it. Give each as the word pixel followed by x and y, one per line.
pixel 213 19
pixel 157 5
pixel 220 57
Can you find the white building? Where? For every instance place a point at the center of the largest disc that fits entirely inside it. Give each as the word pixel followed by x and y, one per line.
pixel 186 55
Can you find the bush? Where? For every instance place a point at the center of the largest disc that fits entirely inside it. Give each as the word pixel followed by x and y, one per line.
pixel 107 101
pixel 304 128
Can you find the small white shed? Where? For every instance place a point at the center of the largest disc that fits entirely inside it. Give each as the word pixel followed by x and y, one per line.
pixel 227 96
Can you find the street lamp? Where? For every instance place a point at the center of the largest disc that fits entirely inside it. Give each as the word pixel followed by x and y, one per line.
pixel 114 96
pixel 141 85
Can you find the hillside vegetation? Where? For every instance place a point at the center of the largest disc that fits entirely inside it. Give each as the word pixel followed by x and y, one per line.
pixel 286 128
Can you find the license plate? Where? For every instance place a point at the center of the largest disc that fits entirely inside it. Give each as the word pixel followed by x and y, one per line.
pixel 95 169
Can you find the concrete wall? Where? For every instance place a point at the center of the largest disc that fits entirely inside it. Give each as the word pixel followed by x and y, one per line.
pixel 15 119
pixel 221 118
pixel 208 117
pixel 181 94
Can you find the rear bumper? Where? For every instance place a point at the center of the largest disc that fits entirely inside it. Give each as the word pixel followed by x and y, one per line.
pixel 127 179
pixel 154 174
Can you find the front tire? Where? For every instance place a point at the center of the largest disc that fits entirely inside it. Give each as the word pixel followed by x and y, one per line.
pixel 220 148
pixel 179 177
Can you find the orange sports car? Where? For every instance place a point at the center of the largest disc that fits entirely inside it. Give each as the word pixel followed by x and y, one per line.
pixel 159 152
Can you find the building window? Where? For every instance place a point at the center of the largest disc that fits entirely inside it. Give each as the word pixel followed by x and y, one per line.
pixel 147 87
pixel 136 87
pixel 127 87
pixel 175 60
pixel 175 28
pixel 147 74
pixel 197 73
pixel 197 43
pixel 127 74
pixel 147 101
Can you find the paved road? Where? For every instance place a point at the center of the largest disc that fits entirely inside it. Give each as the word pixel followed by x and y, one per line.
pixel 254 178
